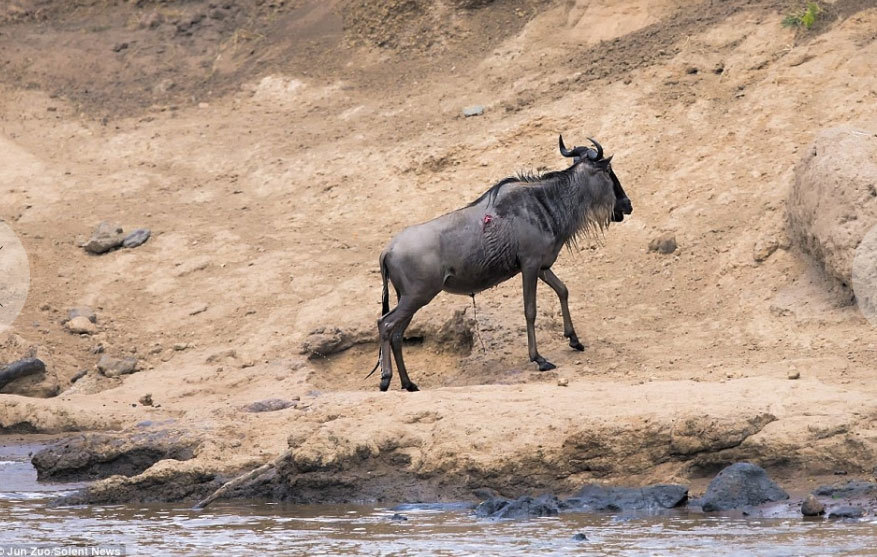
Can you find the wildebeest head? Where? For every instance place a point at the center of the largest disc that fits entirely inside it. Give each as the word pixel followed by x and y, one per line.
pixel 623 206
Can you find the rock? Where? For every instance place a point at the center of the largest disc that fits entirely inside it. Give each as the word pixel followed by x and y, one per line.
pixel 146 400
pixel 833 201
pixel 114 367
pixel 81 325
pixel 326 341
pixel 81 311
pixel 136 238
pixel 166 480
pixel 522 507
pixel 99 455
pixel 435 507
pixel 812 506
pixel 740 485
pixel 850 489
pixel 580 537
pixel 105 237
pixel 11 373
pixel 594 497
pixel 846 512
pixel 764 248
pixel 268 405
pixel 119 47
pixel 474 110
pixel 794 374
pixel 398 517
pixel 562 382
pixel 665 243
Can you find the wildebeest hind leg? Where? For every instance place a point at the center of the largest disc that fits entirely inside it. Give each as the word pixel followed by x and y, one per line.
pixel 548 276
pixel 396 343
pixel 384 333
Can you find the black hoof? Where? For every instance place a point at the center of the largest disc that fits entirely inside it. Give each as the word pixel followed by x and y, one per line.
pixel 411 388
pixel 385 384
pixel 544 365
pixel 577 345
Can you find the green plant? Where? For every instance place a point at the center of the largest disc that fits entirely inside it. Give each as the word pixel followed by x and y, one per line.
pixel 804 18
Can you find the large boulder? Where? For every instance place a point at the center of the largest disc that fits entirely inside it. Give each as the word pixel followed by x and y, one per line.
pixel 741 485
pixel 833 201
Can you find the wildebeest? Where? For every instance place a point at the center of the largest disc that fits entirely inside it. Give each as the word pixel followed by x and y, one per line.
pixel 517 226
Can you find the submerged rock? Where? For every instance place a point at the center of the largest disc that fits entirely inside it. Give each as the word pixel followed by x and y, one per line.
pixel 443 507
pixel 580 537
pixel 847 512
pixel 522 507
pixel 594 497
pixel 741 485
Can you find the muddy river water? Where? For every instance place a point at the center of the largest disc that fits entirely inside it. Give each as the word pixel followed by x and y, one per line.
pixel 27 520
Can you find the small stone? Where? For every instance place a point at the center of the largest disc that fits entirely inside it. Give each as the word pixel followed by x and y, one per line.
pixel 691 70
pixel 83 311
pixel 665 243
pixel 764 248
pixel 580 537
pixel 146 400
pixel 119 47
pixel 794 374
pixel 847 512
pixel 268 405
pixel 399 517
pixel 474 110
pixel 198 308
pixel 562 382
pixel 79 375
pixel 114 367
pixel 81 326
pixel 812 506
pixel 180 346
pixel 105 237
pixel 136 238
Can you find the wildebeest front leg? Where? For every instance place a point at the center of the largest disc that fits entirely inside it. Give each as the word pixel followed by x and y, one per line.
pixel 557 285
pixel 530 279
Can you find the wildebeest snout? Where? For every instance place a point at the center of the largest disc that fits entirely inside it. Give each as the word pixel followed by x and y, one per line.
pixel 622 207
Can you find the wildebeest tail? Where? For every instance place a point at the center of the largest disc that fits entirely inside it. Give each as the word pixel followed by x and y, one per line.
pixel 385 308
pixel 385 293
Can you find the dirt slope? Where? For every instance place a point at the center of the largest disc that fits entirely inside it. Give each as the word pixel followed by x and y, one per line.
pixel 272 174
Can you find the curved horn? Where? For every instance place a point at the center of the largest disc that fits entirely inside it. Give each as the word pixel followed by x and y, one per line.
pixel 599 148
pixel 563 150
